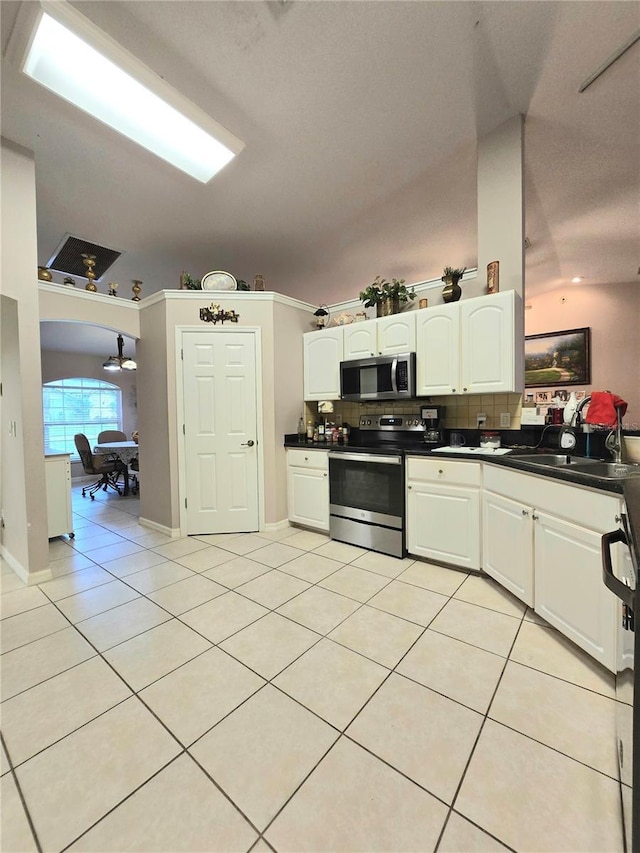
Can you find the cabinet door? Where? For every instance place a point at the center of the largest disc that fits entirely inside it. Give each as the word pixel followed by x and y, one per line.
pixel 507 544
pixel 438 350
pixel 308 497
pixel 443 523
pixel 57 471
pixel 397 334
pixel 488 344
pixel 360 340
pixel 569 590
pixel 322 356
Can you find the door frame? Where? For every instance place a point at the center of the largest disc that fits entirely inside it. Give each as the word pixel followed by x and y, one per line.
pixel 180 332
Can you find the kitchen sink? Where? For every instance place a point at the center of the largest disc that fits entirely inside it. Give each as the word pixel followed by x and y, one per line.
pixel 557 460
pixel 609 470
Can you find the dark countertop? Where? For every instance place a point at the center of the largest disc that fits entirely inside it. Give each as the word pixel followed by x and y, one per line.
pixel 512 461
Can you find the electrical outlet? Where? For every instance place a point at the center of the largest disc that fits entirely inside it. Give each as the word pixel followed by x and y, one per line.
pixel 481 419
pixel 505 420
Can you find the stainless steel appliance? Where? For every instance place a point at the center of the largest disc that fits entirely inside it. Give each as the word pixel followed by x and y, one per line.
pixel 625 588
pixel 384 377
pixel 366 483
pixel 433 417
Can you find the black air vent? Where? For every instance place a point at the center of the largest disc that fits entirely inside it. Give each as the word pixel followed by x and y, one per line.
pixel 68 257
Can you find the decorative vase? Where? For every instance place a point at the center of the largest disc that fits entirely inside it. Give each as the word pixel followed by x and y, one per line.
pixel 137 287
pixel 388 306
pixel 451 291
pixel 44 274
pixel 90 261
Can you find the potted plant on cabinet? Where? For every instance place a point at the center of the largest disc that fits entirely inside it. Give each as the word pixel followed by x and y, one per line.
pixel 452 291
pixel 387 296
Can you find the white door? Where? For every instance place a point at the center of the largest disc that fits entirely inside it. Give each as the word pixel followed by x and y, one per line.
pixel 438 350
pixel 569 591
pixel 397 334
pixel 322 356
pixel 360 340
pixel 309 497
pixel 488 340
pixel 220 431
pixel 443 523
pixel 507 544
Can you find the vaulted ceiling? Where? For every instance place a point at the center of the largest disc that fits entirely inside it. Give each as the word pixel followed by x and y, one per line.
pixel 361 122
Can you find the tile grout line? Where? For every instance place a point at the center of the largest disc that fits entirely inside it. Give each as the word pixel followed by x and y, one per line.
pixel 477 739
pixel 23 800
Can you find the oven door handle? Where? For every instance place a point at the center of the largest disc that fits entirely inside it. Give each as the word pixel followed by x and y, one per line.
pixel 394 377
pixel 621 590
pixel 366 457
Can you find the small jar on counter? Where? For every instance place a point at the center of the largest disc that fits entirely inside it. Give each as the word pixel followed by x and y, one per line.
pixel 490 438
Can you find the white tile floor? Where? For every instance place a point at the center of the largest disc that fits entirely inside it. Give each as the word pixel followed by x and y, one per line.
pixel 283 692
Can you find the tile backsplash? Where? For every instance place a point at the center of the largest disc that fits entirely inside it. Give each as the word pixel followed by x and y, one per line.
pixel 461 410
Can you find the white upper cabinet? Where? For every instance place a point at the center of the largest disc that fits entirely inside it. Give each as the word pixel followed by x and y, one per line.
pixel 471 347
pixel 397 333
pixel 488 344
pixel 438 350
pixel 323 352
pixel 360 340
pixel 384 336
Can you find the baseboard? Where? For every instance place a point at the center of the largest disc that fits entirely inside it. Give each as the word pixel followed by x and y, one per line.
pixel 276 525
pixel 29 578
pixel 173 532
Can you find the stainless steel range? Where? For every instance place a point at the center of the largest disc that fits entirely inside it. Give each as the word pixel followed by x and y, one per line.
pixel 366 483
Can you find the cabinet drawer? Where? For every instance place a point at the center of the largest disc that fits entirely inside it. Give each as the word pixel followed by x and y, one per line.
pixel 443 471
pixel 308 459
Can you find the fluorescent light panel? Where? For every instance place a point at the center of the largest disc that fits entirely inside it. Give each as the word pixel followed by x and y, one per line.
pixel 70 66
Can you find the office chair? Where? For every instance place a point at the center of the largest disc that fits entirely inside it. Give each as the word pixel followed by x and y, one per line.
pixel 108 468
pixel 111 435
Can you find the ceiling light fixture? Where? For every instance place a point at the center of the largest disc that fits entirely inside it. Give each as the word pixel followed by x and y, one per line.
pixel 576 279
pixel 120 361
pixel 71 57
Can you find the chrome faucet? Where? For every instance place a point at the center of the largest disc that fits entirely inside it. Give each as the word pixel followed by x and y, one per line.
pixel 576 420
pixel 613 441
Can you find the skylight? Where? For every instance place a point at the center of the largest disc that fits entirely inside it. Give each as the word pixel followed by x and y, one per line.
pixel 72 58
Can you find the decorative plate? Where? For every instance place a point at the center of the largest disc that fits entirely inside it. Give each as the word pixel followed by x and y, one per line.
pixel 219 280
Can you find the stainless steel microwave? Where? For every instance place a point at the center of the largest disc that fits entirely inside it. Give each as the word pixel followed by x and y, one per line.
pixel 384 377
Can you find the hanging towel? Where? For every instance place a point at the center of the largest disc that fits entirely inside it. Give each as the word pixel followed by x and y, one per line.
pixel 602 408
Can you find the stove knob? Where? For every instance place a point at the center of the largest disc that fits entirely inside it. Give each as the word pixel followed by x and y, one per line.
pixel 368 421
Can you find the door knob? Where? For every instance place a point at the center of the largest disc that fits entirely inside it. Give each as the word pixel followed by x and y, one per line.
pixel 247 443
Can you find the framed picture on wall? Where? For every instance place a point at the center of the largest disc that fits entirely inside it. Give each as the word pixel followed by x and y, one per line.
pixel 557 358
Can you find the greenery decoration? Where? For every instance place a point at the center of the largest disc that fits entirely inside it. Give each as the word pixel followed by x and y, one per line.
pixel 454 274
pixel 189 283
pixel 381 290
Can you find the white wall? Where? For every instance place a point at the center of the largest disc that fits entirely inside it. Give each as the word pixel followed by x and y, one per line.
pixel 281 392
pixel 501 203
pixel 24 535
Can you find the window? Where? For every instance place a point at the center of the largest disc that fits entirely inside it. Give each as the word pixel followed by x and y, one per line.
pixel 79 405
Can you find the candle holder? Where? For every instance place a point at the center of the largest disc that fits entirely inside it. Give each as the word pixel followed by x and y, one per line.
pixel 90 261
pixel 137 287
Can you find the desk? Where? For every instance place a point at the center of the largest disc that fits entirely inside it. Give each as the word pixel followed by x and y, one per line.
pixel 124 450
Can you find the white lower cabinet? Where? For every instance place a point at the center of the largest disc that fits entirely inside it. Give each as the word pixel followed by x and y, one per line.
pixel 57 471
pixel 541 541
pixel 443 511
pixel 569 591
pixel 308 488
pixel 507 544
